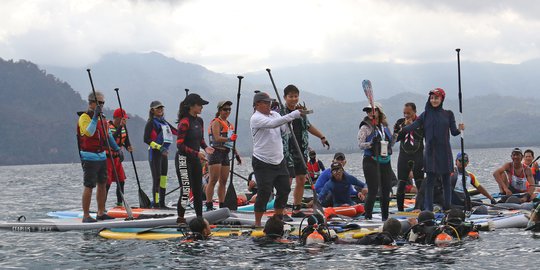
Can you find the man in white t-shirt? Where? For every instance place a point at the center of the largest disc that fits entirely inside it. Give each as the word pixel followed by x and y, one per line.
pixel 268 161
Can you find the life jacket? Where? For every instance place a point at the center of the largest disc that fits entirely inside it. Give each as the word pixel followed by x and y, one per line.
pixel 120 141
pixel 386 136
pixel 313 168
pixel 519 184
pixel 226 130
pixel 95 143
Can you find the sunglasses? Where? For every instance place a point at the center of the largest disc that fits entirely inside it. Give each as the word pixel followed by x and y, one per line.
pixel 226 109
pixel 337 171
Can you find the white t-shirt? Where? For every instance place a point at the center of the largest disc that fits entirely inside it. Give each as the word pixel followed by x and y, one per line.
pixel 266 131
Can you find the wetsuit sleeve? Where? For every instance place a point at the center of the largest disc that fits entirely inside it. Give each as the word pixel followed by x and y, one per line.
pixel 203 142
pixel 147 132
pixel 321 181
pixel 452 121
pixel 363 133
pixel 416 124
pixel 87 125
pixel 183 127
pixel 321 166
pixel 267 122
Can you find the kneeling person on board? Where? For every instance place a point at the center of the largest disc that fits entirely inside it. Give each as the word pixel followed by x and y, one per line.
pixel 326 175
pixel 337 189
pixel 458 197
pixel 268 160
pixel 515 177
pixel 90 134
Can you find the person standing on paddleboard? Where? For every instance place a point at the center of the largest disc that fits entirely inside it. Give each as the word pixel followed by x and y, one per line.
pixel 118 130
pixel 411 156
pixel 91 141
pixel 221 136
pixel 376 140
pixel 268 160
pixel 189 157
pixel 301 127
pixel 158 134
pixel 438 124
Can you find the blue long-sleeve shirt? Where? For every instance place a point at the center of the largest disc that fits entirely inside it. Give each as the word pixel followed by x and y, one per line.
pixel 340 189
pixel 325 177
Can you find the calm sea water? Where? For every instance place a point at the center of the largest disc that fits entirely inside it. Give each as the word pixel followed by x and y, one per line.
pixel 33 191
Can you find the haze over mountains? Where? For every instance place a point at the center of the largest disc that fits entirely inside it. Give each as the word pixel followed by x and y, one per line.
pixel 37 108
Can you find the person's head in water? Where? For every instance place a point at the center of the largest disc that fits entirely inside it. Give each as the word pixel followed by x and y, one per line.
pixel 426 217
pixel 392 226
pixel 200 226
pixel 274 227
pixel 455 216
pixel 436 97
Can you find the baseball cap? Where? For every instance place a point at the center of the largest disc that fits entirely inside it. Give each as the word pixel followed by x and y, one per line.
pixel 262 96
pixel 119 113
pixel 193 99
pixel 464 155
pixel 517 150
pixel 156 104
pixel 335 166
pixel 339 155
pixel 438 92
pixel 223 103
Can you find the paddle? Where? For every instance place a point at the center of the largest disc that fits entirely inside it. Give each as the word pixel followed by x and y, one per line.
pixel 230 197
pixel 317 207
pixel 187 91
pixel 492 205
pixel 126 205
pixel 144 201
pixel 467 202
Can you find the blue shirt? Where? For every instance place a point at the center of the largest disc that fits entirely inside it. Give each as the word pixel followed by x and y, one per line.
pixel 325 177
pixel 339 189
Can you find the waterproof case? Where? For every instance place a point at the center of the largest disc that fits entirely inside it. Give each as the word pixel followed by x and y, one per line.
pixel 384 148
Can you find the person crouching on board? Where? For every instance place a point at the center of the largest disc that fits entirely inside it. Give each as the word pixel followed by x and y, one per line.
pixel 268 160
pixel 339 186
pixel 458 197
pixel 118 130
pixel 515 178
pixel 189 157
pixel 92 147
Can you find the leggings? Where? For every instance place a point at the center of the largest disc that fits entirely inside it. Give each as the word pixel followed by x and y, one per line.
pixel 407 163
pixel 428 191
pixel 119 189
pixel 158 167
pixel 189 173
pixel 374 178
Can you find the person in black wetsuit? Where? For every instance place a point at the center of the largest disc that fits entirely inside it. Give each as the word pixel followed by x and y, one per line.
pixel 411 156
pixel 188 157
pixel 158 134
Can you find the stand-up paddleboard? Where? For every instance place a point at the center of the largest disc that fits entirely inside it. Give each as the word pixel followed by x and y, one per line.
pixel 45 225
pixel 513 221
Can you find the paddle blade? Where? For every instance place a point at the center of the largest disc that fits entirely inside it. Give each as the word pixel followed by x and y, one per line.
pixel 144 201
pixel 230 197
pixel 368 90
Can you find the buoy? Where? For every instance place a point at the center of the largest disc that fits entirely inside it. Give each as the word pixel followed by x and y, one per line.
pixel 473 235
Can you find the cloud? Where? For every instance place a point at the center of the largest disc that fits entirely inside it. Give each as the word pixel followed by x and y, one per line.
pixel 245 35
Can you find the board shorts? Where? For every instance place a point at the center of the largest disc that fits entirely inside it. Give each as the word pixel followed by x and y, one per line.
pixel 95 172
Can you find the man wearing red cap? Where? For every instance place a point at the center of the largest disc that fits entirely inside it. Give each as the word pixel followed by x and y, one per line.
pixel 118 130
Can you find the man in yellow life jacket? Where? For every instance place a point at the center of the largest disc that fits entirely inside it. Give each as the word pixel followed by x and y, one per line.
pixel 94 137
pixel 118 129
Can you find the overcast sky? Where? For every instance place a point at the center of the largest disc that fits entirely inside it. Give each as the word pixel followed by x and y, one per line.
pixel 236 36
